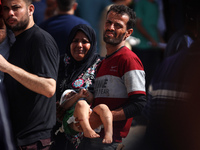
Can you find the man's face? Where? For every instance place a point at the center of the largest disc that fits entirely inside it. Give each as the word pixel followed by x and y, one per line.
pixel 15 14
pixel 51 8
pixel 115 28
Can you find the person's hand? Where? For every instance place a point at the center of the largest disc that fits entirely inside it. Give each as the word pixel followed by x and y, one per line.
pixel 153 43
pixel 60 112
pixel 94 120
pixel 3 64
pixel 83 93
pixel 76 126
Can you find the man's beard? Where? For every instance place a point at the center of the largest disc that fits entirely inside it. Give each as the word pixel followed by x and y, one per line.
pixel 114 41
pixel 20 26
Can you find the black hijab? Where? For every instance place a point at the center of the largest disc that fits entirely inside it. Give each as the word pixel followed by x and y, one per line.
pixel 70 69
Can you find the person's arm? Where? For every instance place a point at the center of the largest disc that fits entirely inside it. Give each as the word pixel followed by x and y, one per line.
pixel 144 32
pixel 40 85
pixel 135 105
pixel 71 101
pixel 132 108
pixel 83 93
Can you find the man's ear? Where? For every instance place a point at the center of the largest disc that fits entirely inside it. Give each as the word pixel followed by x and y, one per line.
pixel 31 9
pixel 128 33
pixel 75 5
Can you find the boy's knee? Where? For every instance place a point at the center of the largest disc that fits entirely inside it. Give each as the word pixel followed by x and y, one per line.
pixel 102 107
pixel 82 103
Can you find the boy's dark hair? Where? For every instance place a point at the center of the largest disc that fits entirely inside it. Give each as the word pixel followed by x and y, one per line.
pixel 122 9
pixel 65 5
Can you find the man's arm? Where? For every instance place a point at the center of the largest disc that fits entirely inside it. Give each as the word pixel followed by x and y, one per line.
pixel 118 114
pixel 133 108
pixel 41 85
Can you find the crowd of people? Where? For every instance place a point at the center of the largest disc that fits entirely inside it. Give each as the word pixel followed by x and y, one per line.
pixel 58 93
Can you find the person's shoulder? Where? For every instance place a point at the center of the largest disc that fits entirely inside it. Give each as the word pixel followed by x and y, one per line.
pixel 126 55
pixel 41 36
pixel 125 52
pixel 59 20
pixel 46 22
pixel 38 31
pixel 140 2
pixel 79 20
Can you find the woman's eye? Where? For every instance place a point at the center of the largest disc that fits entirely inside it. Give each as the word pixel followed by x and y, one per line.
pixel 85 42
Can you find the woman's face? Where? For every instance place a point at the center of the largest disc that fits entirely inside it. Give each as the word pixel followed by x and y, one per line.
pixel 79 46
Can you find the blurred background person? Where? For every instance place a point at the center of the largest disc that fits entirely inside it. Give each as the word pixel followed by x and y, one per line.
pixel 6 135
pixel 60 25
pixel 173 103
pixel 148 50
pixel 7 38
pixel 39 13
pixel 161 19
pixel 185 35
pixel 51 9
pixel 91 11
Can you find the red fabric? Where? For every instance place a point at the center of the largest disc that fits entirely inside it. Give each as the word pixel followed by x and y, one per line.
pixel 112 74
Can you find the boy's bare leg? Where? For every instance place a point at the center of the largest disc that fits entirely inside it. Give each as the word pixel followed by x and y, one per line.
pixel 82 110
pixel 106 117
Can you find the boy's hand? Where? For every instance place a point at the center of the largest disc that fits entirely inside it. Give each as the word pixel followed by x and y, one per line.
pixel 83 93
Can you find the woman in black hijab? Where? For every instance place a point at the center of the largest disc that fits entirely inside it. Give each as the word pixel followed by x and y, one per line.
pixel 74 74
pixel 77 69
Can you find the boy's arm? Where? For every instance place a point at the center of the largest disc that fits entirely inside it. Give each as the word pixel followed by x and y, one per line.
pixel 70 102
pixel 83 93
pixel 61 109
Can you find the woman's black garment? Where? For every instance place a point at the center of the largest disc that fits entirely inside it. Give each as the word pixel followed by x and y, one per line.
pixel 75 74
pixel 70 70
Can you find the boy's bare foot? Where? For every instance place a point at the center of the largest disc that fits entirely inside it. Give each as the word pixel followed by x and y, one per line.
pixel 91 134
pixel 107 138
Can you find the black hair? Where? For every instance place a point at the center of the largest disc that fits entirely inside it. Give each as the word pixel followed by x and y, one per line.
pixel 192 16
pixel 122 9
pixel 65 5
pixel 28 2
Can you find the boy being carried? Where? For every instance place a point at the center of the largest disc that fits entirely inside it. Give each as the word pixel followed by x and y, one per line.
pixel 79 108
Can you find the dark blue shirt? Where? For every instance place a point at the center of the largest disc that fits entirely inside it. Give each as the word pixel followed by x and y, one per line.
pixel 60 26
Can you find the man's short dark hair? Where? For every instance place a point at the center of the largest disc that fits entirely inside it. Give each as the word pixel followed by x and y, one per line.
pixel 65 5
pixel 28 2
pixel 122 9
